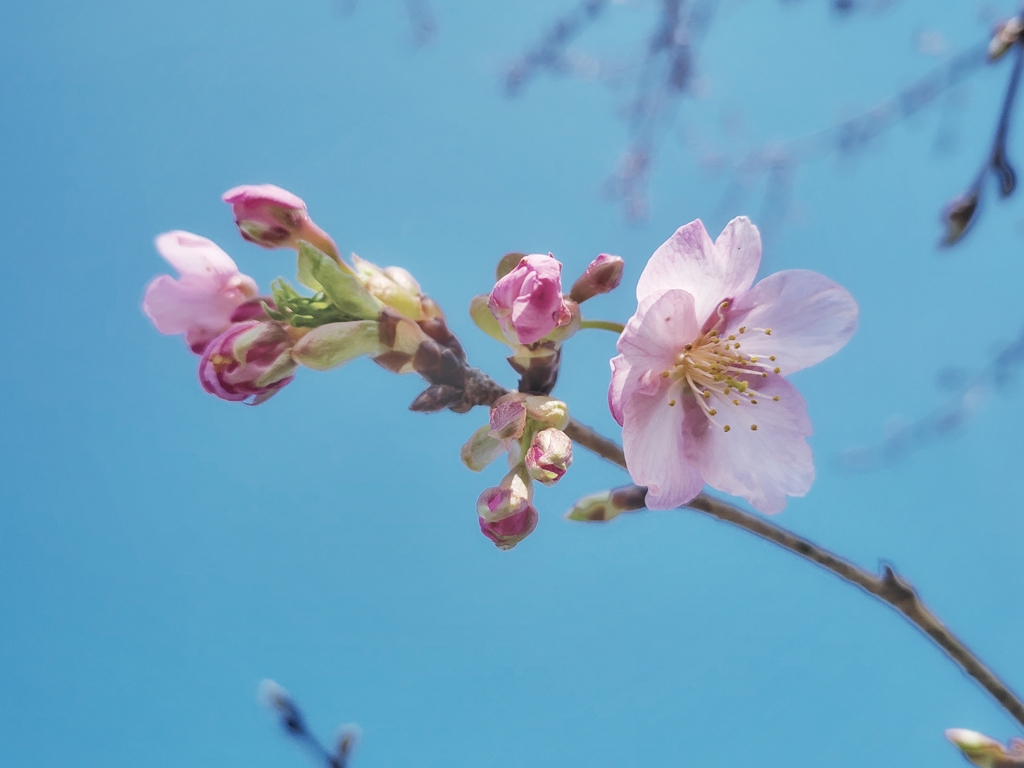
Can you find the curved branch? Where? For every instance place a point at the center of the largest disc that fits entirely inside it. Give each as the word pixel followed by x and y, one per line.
pixel 889 587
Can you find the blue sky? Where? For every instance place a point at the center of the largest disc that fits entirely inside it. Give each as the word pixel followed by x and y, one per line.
pixel 162 551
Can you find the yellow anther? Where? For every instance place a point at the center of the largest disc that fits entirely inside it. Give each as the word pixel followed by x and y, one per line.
pixel 772 358
pixel 725 305
pixel 735 402
pixel 732 338
pixel 753 427
pixel 705 394
pixel 688 347
pixel 712 412
pixel 753 358
pixel 726 428
pixel 767 331
pixel 736 345
pixel 776 397
pixel 753 402
pixel 742 387
pixel 664 374
pixel 777 370
pixel 671 402
pixel 743 329
pixel 764 375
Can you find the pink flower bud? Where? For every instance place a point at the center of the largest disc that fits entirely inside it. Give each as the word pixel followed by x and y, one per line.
pixel 506 514
pixel 603 275
pixel 509 531
pixel 248 360
pixel 528 300
pixel 200 303
pixel 508 418
pixel 273 217
pixel 549 456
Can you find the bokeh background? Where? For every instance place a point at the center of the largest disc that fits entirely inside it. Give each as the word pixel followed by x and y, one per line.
pixel 161 551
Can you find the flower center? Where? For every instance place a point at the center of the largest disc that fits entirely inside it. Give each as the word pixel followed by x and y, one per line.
pixel 717 371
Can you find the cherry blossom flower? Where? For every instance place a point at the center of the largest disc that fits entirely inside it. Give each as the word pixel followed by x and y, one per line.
pixel 249 360
pixel 699 385
pixel 527 302
pixel 203 300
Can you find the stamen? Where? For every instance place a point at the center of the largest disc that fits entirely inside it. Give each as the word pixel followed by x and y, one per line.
pixel 743 329
pixel 778 370
pixel 713 412
pixel 772 358
pixel 726 428
pixel 753 402
pixel 671 402
pixel 753 427
pixel 767 331
pixel 775 398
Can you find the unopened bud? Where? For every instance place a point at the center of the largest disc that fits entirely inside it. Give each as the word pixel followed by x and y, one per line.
pixel 505 513
pixel 276 698
pixel 481 449
pixel 272 217
pixel 347 740
pixel 602 275
pixel 508 418
pixel 527 302
pixel 983 751
pixel 403 294
pixel 249 361
pixel 606 505
pixel 959 215
pixel 549 456
pixel 547 411
pixel 1003 38
pixel 334 344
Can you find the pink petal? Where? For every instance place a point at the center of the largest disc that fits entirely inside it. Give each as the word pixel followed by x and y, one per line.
pixel 620 373
pixel 653 441
pixel 762 466
pixel 810 318
pixel 264 193
pixel 194 255
pixel 663 324
pixel 710 272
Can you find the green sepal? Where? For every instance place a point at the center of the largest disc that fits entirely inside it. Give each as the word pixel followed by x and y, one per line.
pixel 342 288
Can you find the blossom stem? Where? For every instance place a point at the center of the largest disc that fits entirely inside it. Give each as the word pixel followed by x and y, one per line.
pixel 889 587
pixel 604 325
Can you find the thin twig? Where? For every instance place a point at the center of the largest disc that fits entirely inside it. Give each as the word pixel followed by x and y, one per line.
pixel 889 587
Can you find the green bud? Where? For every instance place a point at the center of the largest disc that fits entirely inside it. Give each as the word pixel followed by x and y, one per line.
pixel 547 411
pixel 335 344
pixel 485 321
pixel 481 449
pixel 402 294
pixel 607 505
pixel 343 288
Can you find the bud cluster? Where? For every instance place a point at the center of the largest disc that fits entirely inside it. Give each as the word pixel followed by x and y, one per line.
pixel 527 310
pixel 529 429
pixel 250 346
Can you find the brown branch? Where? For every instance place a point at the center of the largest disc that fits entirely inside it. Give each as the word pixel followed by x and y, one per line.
pixel 889 587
